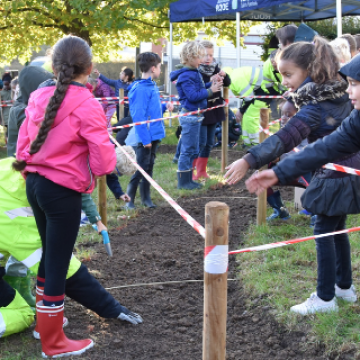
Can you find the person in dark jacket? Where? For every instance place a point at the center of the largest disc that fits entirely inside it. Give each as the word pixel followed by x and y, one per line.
pixel 310 71
pixel 29 80
pixel 337 193
pixel 193 95
pixel 126 77
pixel 209 69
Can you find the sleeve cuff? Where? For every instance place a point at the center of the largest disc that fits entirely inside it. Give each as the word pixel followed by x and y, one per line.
pixel 249 158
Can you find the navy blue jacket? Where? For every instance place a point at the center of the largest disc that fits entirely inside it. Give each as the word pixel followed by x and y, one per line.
pixel 334 193
pixel 321 110
pixel 144 101
pixel 116 84
pixel 192 90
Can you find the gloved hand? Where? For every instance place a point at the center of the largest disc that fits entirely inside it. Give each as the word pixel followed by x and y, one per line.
pixel 129 316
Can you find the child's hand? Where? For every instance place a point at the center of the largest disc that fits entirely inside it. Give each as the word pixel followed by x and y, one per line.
pixel 236 171
pixel 222 73
pixel 96 72
pixel 101 227
pixel 216 78
pixel 216 86
pixel 148 146
pixel 170 106
pixel 125 198
pixel 239 117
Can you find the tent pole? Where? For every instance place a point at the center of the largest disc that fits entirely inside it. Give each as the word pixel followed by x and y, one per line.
pixel 170 63
pixel 338 17
pixel 238 34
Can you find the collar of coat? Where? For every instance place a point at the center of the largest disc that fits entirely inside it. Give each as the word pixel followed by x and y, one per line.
pixel 312 93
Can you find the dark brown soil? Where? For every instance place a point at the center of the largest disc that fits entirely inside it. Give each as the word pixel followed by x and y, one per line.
pixel 159 246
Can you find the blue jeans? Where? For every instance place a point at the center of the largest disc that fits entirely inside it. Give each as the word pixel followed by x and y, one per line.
pixel 113 184
pixel 333 256
pixel 206 139
pixel 189 141
pixel 145 157
pixel 177 154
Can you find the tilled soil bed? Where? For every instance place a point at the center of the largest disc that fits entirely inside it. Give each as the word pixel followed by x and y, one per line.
pixel 158 247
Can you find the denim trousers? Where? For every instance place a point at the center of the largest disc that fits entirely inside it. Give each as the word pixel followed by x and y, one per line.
pixel 57 212
pixel 178 148
pixel 189 141
pixel 333 256
pixel 145 157
pixel 113 184
pixel 206 139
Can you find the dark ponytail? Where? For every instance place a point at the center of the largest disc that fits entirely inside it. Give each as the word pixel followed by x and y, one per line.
pixel 129 73
pixel 71 57
pixel 317 58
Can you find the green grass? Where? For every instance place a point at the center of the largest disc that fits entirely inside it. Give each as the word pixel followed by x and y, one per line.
pixel 286 276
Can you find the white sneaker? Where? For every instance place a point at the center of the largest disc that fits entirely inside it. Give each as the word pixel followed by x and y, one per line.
pixel 314 304
pixel 348 295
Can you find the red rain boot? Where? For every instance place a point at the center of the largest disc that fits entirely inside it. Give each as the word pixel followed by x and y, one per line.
pixel 201 168
pixel 39 297
pixel 54 342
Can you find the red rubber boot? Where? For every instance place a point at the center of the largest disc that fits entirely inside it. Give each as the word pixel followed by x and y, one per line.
pixel 201 168
pixel 39 297
pixel 54 342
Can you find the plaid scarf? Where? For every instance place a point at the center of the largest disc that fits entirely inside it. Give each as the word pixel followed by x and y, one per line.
pixel 208 69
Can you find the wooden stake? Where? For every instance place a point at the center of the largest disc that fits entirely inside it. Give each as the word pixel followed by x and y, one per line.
pixel 102 199
pixel 261 201
pixel 121 106
pixel 225 133
pixel 215 280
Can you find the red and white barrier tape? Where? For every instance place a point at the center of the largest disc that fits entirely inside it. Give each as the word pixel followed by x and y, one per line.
pixel 342 168
pixel 290 242
pixel 336 167
pixel 267 130
pixel 168 117
pixel 6 105
pixel 216 259
pixel 192 222
pixel 7 101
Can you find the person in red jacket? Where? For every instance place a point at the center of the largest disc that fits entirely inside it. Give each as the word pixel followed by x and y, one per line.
pixel 63 146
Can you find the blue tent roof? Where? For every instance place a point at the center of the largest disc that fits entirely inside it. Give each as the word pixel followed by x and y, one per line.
pixel 260 10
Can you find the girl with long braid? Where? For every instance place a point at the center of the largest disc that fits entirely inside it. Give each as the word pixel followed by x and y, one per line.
pixel 63 146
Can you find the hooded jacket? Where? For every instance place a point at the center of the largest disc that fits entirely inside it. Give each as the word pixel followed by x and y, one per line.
pixel 77 146
pixel 216 115
pixel 321 110
pixel 144 101
pixel 29 80
pixel 193 92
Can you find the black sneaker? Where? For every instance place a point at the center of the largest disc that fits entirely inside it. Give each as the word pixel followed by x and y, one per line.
pixel 218 144
pixel 232 144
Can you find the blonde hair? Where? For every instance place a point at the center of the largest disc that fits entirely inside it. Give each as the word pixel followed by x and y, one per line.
pixel 207 44
pixel 192 50
pixel 341 49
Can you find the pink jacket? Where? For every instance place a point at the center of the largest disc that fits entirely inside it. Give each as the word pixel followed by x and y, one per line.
pixel 77 146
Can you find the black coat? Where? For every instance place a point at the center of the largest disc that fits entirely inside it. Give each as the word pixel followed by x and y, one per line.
pixel 331 193
pixel 322 109
pixel 214 116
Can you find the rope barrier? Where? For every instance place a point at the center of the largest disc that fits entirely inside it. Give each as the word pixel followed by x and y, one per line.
pixel 168 117
pixel 160 283
pixel 290 242
pixel 192 222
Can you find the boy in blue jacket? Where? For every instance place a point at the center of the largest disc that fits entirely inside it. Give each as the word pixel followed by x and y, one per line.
pixel 193 95
pixel 144 101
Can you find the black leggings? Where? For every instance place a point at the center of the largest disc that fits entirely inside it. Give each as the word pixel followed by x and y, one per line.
pixel 57 212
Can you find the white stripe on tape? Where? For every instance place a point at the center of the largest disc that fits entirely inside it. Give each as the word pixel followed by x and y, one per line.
pixel 2 325
pixel 217 259
pixel 34 258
